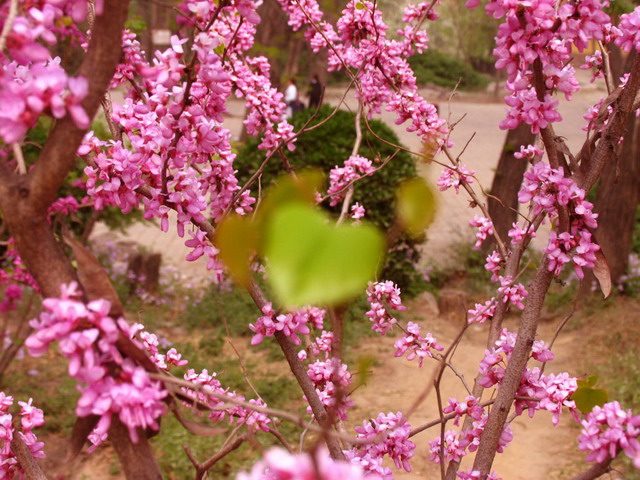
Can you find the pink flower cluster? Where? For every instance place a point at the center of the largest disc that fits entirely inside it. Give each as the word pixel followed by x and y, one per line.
pixel 278 464
pixel 539 392
pixel 629 31
pixel 548 189
pixel 517 234
pixel 457 445
pixel 485 229
pixel 111 384
pixel 389 435
pixel 594 62
pixel 383 297
pixel 455 177
pixel 30 418
pixel 31 82
pixel 493 365
pixel 511 292
pixel 545 31
pixel 529 152
pixel 481 313
pixel 151 343
pixel 357 211
pixel 26 92
pixel 493 265
pixel 608 429
pixel 236 414
pixel 359 42
pixel 469 406
pixel 418 346
pixel 291 324
pixel 331 379
pixel 340 178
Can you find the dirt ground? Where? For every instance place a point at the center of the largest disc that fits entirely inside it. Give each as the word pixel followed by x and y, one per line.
pixel 538 450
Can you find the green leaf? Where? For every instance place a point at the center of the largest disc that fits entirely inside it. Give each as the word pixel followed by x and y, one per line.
pixel 416 206
pixel 587 397
pixel 237 238
pixel 363 369
pixel 360 6
pixel 301 188
pixel 310 261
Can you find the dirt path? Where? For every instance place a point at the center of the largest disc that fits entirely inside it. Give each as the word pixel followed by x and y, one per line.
pixel 538 451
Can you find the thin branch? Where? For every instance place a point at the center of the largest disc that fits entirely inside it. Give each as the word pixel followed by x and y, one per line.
pixel 19 156
pixel 595 471
pixel 354 151
pixel 26 460
pixel 423 395
pixel 272 412
pixel 8 23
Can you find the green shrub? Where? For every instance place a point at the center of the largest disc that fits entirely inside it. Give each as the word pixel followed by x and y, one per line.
pixel 329 146
pixel 443 70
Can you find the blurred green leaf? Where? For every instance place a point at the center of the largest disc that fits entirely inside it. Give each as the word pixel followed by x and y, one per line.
pixel 310 261
pixel 237 238
pixel 302 189
pixel 587 397
pixel 364 364
pixel 416 206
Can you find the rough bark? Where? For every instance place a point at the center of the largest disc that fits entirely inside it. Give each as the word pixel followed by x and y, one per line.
pixel 618 192
pixel 503 202
pixel 616 202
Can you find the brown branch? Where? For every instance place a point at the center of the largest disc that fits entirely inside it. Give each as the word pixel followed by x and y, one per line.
pixel 513 375
pixel 591 166
pixel 203 468
pixel 595 471
pixel 98 66
pixel 8 23
pixel 26 460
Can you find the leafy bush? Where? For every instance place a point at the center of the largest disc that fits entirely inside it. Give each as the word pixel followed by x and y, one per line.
pixel 443 70
pixel 330 145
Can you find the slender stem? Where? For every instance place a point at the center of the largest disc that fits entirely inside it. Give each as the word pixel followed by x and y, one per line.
pixel 8 23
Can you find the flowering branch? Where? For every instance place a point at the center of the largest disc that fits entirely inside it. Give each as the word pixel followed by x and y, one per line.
pixel 25 458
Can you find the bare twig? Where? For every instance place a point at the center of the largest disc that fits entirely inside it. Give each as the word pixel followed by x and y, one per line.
pixel 8 23
pixel 19 156
pixel 354 151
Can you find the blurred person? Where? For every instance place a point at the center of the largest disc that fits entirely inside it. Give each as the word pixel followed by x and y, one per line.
pixel 315 92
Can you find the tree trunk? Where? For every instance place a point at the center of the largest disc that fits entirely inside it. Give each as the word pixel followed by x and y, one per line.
pixel 503 203
pixel 616 202
pixel 617 194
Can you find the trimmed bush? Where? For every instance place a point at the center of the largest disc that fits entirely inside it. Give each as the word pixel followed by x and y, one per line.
pixel 443 70
pixel 329 146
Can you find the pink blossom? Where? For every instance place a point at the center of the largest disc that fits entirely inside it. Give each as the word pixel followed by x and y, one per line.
pixel 383 297
pixel 607 429
pixel 485 229
pixel 455 177
pixel 417 345
pixel 278 464
pixel 394 432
